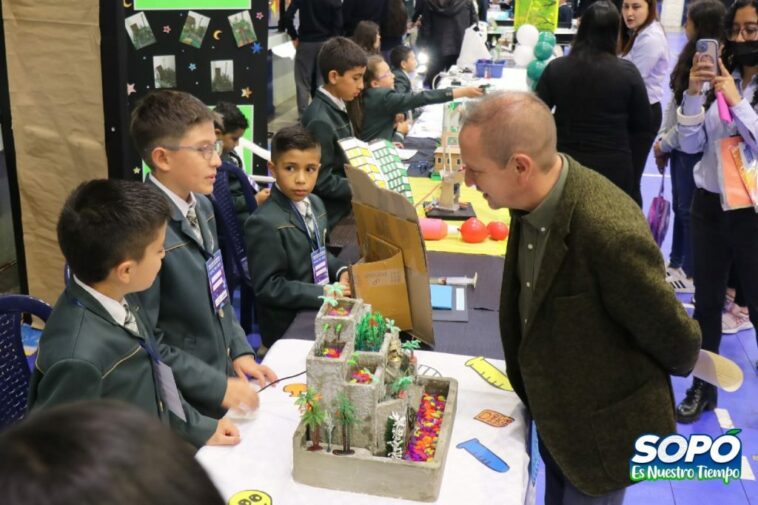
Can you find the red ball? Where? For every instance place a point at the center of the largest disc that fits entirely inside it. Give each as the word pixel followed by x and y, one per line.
pixel 473 231
pixel 498 230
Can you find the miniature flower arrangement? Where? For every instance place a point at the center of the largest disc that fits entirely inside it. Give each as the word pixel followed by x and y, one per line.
pixel 423 441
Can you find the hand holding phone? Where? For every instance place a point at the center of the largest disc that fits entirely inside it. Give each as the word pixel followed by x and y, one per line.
pixel 705 66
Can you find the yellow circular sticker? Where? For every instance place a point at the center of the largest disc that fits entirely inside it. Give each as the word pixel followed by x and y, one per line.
pixel 250 497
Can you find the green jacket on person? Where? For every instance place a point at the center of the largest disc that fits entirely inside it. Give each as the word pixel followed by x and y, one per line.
pixel 329 124
pixel 603 333
pixel 380 105
pixel 84 354
pixel 279 259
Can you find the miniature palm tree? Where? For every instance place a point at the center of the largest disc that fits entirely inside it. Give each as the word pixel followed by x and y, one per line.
pixel 312 415
pixel 346 418
pixel 401 385
pixel 391 325
pixel 411 345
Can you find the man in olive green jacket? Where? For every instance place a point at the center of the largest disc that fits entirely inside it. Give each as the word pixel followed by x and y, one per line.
pixel 591 331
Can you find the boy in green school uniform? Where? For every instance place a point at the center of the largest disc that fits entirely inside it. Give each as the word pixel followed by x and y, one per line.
pixel 381 103
pixel 342 63
pixel 189 303
pixel 97 343
pixel 285 237
pixel 403 61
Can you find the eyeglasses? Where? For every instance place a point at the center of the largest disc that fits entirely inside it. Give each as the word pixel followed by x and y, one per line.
pixel 749 32
pixel 384 76
pixel 206 151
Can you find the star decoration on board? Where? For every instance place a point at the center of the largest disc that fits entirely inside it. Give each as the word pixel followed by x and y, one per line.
pixel 256 48
pixel 246 92
pixel 192 67
pixel 167 29
pixel 259 15
pixel 136 170
pixel 130 88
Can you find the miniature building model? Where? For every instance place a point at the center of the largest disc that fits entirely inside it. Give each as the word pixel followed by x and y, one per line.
pixel 358 363
pixel 453 158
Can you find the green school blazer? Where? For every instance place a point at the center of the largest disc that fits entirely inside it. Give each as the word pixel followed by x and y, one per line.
pixel 329 124
pixel 402 83
pixel 279 259
pixel 603 334
pixel 380 105
pixel 85 355
pixel 198 342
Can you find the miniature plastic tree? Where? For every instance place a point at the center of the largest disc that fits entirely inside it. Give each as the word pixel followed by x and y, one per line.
pixel 391 325
pixel 401 385
pixel 333 291
pixel 312 415
pixel 398 436
pixel 412 345
pixel 346 418
pixel 369 334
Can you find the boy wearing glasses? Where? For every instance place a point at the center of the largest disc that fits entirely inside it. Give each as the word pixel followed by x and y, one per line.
pixel 189 303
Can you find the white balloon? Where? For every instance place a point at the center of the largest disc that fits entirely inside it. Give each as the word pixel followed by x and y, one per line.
pixel 522 55
pixel 527 35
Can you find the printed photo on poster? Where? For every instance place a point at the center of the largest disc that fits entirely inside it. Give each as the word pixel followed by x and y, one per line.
pixel 194 29
pixel 222 75
pixel 242 28
pixel 164 70
pixel 139 30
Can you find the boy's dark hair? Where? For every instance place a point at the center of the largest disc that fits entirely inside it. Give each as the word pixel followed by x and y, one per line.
pixel 231 118
pixel 398 55
pixel 340 54
pixel 99 452
pixel 165 115
pixel 105 222
pixel 292 137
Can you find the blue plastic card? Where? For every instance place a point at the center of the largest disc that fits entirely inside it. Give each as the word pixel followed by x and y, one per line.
pixel 442 297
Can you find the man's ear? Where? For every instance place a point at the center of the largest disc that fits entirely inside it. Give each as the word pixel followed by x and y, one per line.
pixel 524 164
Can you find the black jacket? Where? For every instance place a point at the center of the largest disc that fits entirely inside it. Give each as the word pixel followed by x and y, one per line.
pixel 319 20
pixel 443 24
pixel 355 11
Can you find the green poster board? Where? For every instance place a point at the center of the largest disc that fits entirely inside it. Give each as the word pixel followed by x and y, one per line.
pixel 170 5
pixel 541 13
pixel 247 156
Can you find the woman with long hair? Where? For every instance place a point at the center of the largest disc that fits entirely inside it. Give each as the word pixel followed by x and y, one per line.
pixel 367 36
pixel 601 108
pixel 721 239
pixel 705 20
pixel 644 43
pixel 394 27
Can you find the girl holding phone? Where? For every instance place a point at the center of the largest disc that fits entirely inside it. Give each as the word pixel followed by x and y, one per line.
pixel 721 239
pixel 644 44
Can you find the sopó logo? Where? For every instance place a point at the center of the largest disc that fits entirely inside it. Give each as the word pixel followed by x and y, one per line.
pixel 697 457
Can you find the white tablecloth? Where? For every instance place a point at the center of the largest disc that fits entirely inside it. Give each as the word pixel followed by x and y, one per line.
pixel 263 459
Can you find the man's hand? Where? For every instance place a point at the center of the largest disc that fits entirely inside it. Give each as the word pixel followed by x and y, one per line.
pixel 661 158
pixel 245 366
pixel 226 433
pixel 240 394
pixel 295 42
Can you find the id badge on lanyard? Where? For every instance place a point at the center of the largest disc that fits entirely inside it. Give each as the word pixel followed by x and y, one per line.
pixel 318 255
pixel 217 281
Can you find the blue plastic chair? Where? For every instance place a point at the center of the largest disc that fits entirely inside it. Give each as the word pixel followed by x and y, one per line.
pixel 232 239
pixel 14 368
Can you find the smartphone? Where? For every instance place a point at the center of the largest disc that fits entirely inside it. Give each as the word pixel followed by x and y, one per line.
pixel 708 48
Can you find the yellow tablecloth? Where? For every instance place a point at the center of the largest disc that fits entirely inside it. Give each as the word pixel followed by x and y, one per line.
pixel 421 188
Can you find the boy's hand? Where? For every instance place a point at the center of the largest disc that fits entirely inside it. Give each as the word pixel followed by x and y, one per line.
pixel 240 394
pixel 345 281
pixel 262 195
pixel 226 433
pixel 245 366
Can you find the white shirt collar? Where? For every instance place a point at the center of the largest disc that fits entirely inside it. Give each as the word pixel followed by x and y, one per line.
pixel 182 205
pixel 337 101
pixel 114 308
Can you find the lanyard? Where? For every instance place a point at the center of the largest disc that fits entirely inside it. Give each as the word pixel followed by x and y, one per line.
pixel 301 220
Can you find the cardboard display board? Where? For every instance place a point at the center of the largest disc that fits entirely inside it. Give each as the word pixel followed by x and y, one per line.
pixel 390 217
pixel 55 88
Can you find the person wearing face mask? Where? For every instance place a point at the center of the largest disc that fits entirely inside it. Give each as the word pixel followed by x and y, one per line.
pixel 644 44
pixel 721 239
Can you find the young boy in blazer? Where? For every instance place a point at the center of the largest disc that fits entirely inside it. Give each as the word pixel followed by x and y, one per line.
pixel 97 343
pixel 189 303
pixel 285 237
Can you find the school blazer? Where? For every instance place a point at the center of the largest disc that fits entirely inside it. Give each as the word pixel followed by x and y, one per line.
pixel 402 83
pixel 328 124
pixel 85 355
pixel 602 336
pixel 198 343
pixel 381 104
pixel 280 263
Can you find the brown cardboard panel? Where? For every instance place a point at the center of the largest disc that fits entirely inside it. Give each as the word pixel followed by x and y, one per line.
pixel 379 279
pixel 388 216
pixel 54 81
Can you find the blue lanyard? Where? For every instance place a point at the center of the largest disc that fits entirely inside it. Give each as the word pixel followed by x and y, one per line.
pixel 301 219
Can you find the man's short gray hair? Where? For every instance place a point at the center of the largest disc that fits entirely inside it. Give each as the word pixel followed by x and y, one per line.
pixel 513 122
